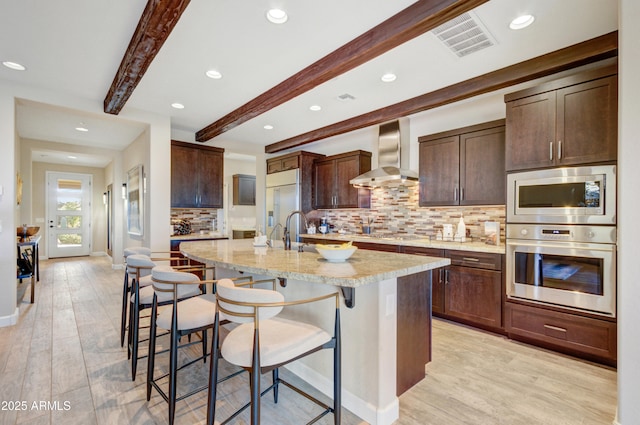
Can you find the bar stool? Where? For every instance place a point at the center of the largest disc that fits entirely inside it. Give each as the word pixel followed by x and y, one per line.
pixel 184 317
pixel 142 296
pixel 126 289
pixel 263 342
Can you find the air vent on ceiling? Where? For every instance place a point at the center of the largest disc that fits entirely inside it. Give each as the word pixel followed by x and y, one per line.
pixel 464 35
pixel 345 97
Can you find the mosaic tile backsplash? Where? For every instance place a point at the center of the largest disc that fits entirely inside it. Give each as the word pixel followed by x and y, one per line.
pixel 201 219
pixel 396 210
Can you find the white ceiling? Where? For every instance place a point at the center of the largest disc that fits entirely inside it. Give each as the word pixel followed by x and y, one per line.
pixel 75 47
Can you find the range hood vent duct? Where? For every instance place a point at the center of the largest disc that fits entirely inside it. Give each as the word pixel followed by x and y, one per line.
pixel 390 171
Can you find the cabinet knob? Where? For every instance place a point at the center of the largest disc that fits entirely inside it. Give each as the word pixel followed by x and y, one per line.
pixel 524 232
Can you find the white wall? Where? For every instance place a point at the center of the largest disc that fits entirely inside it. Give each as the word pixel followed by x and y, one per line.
pixel 238 215
pixel 629 205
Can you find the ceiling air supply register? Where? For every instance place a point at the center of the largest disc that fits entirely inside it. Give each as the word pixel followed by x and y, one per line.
pixel 390 171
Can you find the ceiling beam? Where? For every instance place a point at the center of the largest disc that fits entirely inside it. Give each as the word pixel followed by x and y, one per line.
pixel 415 20
pixel 156 23
pixel 590 51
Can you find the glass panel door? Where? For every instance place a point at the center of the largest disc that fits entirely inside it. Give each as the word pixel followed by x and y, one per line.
pixel 69 214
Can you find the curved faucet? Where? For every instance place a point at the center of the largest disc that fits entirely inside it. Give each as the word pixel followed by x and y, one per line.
pixel 287 237
pixel 271 233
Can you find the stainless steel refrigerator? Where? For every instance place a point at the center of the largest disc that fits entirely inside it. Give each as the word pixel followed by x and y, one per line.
pixel 283 197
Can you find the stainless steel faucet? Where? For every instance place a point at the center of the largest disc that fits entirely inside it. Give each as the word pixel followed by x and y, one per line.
pixel 269 238
pixel 287 237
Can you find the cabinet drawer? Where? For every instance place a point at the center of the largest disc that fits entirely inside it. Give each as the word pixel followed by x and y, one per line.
pixel 480 260
pixel 579 334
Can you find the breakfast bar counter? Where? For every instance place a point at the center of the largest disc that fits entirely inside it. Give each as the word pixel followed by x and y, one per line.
pixel 386 335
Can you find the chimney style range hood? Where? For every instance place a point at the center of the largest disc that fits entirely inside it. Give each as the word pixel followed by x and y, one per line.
pixel 389 172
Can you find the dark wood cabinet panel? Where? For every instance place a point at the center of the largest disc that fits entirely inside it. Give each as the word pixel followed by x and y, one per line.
pixel 437 276
pixel 331 180
pixel 244 189
pixel 482 173
pixel 569 121
pixel 463 166
pixel 196 176
pixel 587 337
pixel 439 166
pixel 474 295
pixel 413 350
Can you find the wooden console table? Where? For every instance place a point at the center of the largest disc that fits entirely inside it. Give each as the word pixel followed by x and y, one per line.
pixel 31 242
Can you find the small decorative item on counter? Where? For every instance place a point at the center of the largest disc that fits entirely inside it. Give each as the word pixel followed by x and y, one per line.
pixel 461 231
pixel 181 227
pixel 492 232
pixel 311 229
pixel 447 232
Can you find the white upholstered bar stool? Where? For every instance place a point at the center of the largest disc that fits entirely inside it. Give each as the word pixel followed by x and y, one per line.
pixel 142 295
pixel 126 289
pixel 183 317
pixel 263 342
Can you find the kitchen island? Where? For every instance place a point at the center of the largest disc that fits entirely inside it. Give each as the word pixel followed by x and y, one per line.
pixel 385 333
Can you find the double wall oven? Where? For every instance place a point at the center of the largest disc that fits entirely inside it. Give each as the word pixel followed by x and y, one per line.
pixel 561 237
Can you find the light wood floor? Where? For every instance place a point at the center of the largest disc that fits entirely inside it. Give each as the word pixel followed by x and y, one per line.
pixel 65 351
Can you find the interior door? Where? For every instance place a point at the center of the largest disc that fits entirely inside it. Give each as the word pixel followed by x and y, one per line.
pixel 68 214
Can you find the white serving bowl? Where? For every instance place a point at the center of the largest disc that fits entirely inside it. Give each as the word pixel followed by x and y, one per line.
pixel 336 253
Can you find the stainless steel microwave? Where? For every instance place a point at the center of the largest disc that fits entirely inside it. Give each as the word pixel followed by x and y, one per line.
pixel 568 195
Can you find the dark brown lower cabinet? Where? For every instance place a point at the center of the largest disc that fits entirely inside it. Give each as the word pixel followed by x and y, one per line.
pixel 437 276
pixel 583 336
pixel 473 288
pixel 413 350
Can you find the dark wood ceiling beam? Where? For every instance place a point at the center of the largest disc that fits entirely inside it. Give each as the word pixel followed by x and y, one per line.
pixel 415 20
pixel 590 51
pixel 156 23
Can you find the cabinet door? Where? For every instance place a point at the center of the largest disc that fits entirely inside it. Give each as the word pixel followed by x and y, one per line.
pixel 531 129
pixel 210 174
pixel 482 175
pixel 346 196
pixel 439 172
pixel 324 184
pixel 474 294
pixel 184 188
pixel 244 190
pixel 587 122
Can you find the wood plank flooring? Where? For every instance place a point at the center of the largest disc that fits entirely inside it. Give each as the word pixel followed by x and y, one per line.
pixel 64 361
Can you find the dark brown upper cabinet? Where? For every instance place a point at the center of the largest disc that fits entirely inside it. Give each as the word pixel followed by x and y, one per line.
pixel 463 166
pixel 196 176
pixel 569 121
pixel 331 178
pixel 244 189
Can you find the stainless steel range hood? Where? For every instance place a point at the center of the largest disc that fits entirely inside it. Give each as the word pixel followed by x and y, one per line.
pixel 390 171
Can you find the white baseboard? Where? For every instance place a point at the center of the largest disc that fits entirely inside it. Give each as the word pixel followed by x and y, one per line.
pixel 10 320
pixel 98 254
pixel 364 410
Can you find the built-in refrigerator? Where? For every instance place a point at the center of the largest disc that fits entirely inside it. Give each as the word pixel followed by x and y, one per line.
pixel 283 197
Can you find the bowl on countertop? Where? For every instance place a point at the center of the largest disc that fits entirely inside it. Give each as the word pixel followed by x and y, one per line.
pixel 27 231
pixel 336 253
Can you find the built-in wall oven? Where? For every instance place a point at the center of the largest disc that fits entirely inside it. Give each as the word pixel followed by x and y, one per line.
pixel 561 238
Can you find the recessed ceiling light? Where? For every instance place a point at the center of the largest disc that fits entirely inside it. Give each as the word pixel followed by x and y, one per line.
pixel 277 16
pixel 14 65
pixel 212 73
pixel 268 127
pixel 83 129
pixel 388 77
pixel 72 157
pixel 177 105
pixel 315 107
pixel 522 21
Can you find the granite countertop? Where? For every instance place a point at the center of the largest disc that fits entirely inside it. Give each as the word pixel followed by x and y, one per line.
pixel 364 266
pixel 425 243
pixel 199 236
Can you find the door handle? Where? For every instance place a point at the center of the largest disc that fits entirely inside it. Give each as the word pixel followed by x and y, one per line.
pixel 455 193
pixel 559 149
pixel 550 151
pixel 462 193
pixel 446 276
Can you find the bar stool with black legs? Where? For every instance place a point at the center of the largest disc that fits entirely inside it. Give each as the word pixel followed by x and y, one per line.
pixel 183 317
pixel 142 295
pixel 126 289
pixel 263 342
